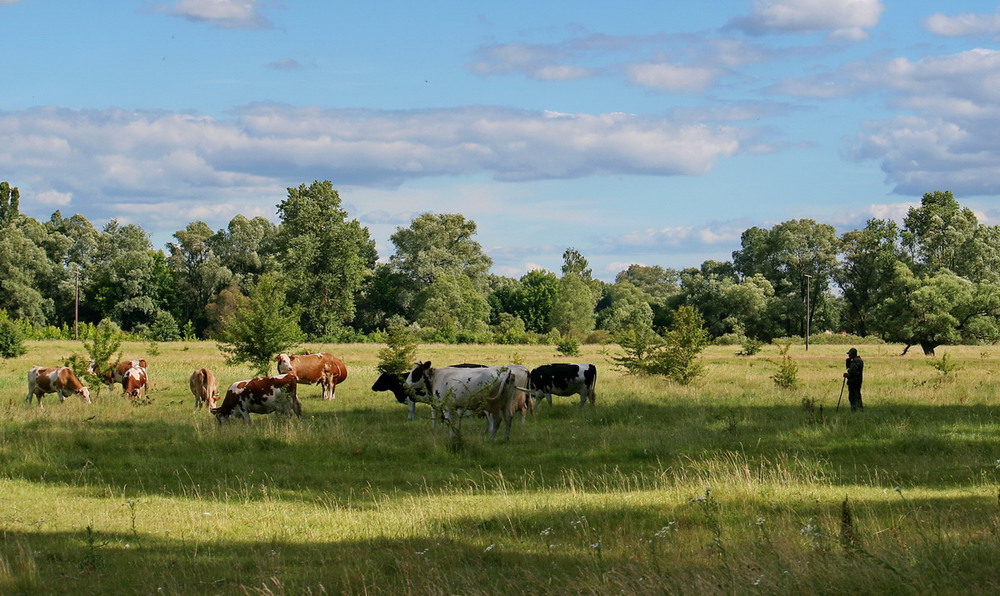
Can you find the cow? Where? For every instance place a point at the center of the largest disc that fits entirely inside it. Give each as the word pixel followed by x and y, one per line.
pixel 204 387
pixel 325 369
pixel 563 379
pixel 454 389
pixel 260 395
pixel 116 372
pixel 394 383
pixel 54 379
pixel 134 382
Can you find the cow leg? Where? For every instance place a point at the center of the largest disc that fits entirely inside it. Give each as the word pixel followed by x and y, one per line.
pixel 583 398
pixel 412 407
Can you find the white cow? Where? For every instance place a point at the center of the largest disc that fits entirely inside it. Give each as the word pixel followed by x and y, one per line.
pixel 452 389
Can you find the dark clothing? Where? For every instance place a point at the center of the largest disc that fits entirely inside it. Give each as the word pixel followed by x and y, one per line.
pixel 855 376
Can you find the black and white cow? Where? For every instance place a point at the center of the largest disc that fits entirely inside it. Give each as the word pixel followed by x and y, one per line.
pixel 394 383
pixel 564 379
pixel 261 395
pixel 490 389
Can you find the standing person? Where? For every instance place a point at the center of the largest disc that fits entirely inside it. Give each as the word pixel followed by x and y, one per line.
pixel 855 376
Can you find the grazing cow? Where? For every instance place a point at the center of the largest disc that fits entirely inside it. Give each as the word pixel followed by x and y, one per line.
pixel 563 379
pixel 453 389
pixel 54 379
pixel 394 383
pixel 134 382
pixel 260 395
pixel 325 369
pixel 116 372
pixel 204 387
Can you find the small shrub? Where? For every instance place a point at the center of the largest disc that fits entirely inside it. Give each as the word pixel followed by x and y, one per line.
pixel 568 346
pixel 11 339
pixel 750 346
pixel 399 353
pixel 946 366
pixel 787 374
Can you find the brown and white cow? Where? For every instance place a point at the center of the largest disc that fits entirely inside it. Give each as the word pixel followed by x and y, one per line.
pixel 134 382
pixel 325 369
pixel 204 387
pixel 260 395
pixel 54 379
pixel 116 372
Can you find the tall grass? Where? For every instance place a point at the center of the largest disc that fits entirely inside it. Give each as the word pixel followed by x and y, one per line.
pixel 728 485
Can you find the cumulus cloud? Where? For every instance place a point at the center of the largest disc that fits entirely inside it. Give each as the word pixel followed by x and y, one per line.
pixel 115 162
pixel 226 14
pixel 964 25
pixel 950 137
pixel 846 20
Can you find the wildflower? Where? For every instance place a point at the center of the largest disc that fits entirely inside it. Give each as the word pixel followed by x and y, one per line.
pixel 596 545
pixel 489 548
pixel 760 522
pixel 666 530
pixel 546 532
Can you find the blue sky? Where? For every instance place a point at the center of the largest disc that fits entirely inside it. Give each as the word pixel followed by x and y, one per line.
pixel 635 132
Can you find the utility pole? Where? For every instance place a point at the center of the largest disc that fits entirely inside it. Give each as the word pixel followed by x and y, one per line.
pixel 808 310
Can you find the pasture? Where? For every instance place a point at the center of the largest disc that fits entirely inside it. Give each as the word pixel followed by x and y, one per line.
pixel 731 485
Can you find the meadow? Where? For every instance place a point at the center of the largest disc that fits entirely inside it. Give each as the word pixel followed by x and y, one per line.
pixel 730 485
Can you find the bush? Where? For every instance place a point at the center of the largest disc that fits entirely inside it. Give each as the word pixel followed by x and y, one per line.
pixel 675 355
pixel 787 374
pixel 399 353
pixel 11 339
pixel 164 327
pixel 568 346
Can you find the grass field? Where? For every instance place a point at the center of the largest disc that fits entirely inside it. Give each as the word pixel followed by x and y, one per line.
pixel 728 486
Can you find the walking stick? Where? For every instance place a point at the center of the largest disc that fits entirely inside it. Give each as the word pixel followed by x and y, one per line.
pixel 844 384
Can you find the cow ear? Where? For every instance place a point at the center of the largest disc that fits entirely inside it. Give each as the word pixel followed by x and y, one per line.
pixel 426 365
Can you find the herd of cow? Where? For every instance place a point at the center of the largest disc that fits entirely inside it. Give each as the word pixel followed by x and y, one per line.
pixel 496 392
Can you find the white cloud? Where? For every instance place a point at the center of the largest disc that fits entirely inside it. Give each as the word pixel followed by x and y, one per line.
pixel 227 14
pixel 963 25
pixel 671 77
pixel 950 137
pixel 840 19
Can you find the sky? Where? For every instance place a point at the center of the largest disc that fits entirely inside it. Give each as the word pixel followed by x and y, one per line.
pixel 648 132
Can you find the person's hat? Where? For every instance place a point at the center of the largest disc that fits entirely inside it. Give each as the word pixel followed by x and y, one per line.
pixel 852 352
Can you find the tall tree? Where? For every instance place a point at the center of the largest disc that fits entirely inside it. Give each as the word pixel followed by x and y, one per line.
pixel 866 274
pixel 9 204
pixel 199 272
pixel 326 257
pixel 941 234
pixel 261 326
pixel 435 246
pixel 247 248
pixel 573 311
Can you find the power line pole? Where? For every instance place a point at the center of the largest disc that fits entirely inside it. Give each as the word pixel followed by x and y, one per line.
pixel 808 310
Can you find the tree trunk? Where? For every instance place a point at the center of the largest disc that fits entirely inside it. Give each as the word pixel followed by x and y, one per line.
pixel 928 347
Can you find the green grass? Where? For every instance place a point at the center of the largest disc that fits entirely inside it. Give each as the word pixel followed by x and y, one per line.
pixel 728 485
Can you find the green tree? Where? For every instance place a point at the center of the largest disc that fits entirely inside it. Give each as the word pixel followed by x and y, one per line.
pixel 453 308
pixel 436 246
pixel 198 271
pixel 247 248
pixel 939 309
pixel 796 257
pixel 261 327
pixel 573 310
pixel 9 204
pixel 866 273
pixel 326 258
pixel 627 307
pixel 941 234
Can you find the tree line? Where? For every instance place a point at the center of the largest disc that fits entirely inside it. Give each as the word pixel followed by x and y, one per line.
pixel 934 280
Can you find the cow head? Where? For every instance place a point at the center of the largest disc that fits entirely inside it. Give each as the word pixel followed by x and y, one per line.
pixel 85 394
pixel 419 377
pixel 284 362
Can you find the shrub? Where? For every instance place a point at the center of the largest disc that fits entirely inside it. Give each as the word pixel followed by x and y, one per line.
pixel 164 327
pixel 11 339
pixel 787 374
pixel 674 355
pixel 400 351
pixel 568 346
